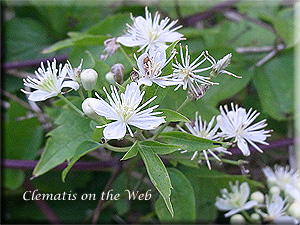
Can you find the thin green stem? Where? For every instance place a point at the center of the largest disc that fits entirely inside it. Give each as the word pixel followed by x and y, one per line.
pixel 186 101
pixel 132 63
pixel 70 104
pixel 81 93
pixel 116 149
pixel 90 94
pixel 139 135
pixel 246 215
pixel 160 130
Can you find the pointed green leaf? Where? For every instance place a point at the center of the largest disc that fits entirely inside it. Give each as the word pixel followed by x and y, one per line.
pixel 168 69
pixel 111 25
pixel 173 116
pixel 63 141
pixel 158 175
pixel 121 88
pixel 159 148
pixel 59 45
pixel 190 142
pixel 274 82
pixel 84 148
pixel 158 91
pixel 133 151
pixel 182 198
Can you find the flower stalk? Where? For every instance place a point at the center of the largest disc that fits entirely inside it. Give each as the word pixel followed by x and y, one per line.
pixel 70 104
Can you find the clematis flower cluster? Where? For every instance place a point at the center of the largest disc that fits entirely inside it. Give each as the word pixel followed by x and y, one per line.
pixel 280 205
pixel 48 82
pixel 235 125
pixel 236 200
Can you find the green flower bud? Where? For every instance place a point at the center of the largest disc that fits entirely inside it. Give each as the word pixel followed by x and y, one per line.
pixel 87 108
pixel 89 79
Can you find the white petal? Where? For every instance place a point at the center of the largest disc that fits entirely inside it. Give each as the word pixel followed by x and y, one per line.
pixel 132 94
pixel 244 191
pixel 145 81
pixel 115 130
pixel 164 82
pixel 71 84
pixel 40 95
pixel 102 108
pixel 171 37
pixel 232 212
pixel 249 205
pixel 140 62
pixel 243 146
pixel 128 41
pixel 146 122
pixel 223 205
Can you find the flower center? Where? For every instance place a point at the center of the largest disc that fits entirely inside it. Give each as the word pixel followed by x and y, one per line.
pixel 126 112
pixel 153 34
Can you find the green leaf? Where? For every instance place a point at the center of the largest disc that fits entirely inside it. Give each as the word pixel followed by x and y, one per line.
pixel 274 82
pixel 122 205
pixel 59 45
pixel 190 142
pixel 80 39
pixel 84 148
pixel 22 140
pixel 208 184
pixel 121 88
pixel 182 199
pixel 133 151
pixel 155 90
pixel 159 148
pixel 168 69
pixel 25 39
pixel 13 179
pixel 63 141
pixel 113 25
pixel 172 116
pixel 102 69
pixel 158 175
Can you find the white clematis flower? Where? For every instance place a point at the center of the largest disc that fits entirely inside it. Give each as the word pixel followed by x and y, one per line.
pixel 150 67
pixel 49 83
pixel 150 34
pixel 236 200
pixel 187 71
pixel 276 211
pixel 281 176
pixel 126 111
pixel 237 124
pixel 203 130
pixel 73 73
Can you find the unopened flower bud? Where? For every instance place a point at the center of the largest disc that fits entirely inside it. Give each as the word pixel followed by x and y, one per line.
pixel 274 190
pixel 87 108
pixel 110 77
pixel 237 219
pixel 198 93
pixel 294 210
pixel 255 217
pixel 271 182
pixel 118 71
pixel 258 197
pixel 89 79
